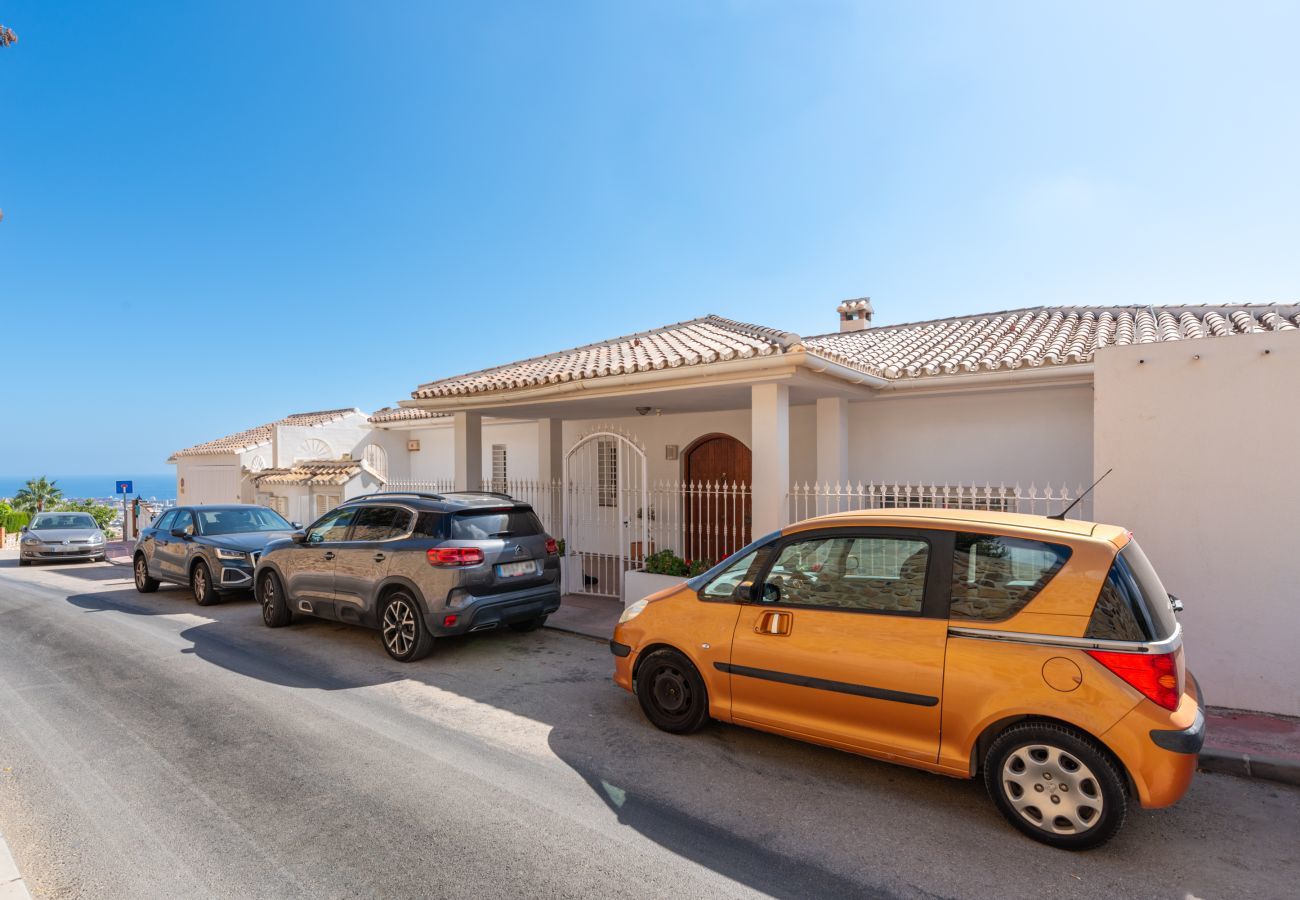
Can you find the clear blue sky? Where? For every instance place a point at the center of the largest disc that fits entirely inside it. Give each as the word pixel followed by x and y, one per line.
pixel 283 206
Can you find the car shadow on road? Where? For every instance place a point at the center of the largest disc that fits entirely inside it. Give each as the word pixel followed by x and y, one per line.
pixel 756 808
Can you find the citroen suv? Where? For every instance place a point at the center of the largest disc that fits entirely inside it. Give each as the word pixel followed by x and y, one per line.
pixel 415 567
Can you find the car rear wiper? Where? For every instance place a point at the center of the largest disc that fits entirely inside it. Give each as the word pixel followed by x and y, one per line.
pixel 502 534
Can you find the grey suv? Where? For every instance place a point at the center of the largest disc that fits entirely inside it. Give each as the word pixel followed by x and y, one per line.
pixel 416 567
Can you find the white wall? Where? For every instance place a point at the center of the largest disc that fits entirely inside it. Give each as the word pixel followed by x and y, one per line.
pixel 1205 455
pixel 1028 435
pixel 347 435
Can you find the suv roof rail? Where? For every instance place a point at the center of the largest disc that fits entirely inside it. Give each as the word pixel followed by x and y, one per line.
pixel 501 494
pixel 394 494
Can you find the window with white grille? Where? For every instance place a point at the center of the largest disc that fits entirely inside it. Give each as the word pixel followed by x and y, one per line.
pixel 279 504
pixel 376 457
pixel 500 475
pixel 607 472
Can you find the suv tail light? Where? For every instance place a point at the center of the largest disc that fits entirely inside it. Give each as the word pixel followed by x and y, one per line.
pixel 552 546
pixel 1157 676
pixel 455 556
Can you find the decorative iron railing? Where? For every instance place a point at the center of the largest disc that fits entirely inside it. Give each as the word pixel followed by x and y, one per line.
pixel 807 500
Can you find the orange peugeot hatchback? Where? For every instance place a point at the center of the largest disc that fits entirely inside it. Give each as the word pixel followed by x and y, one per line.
pixel 1042 653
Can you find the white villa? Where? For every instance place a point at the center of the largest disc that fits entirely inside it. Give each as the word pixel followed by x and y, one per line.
pixel 700 435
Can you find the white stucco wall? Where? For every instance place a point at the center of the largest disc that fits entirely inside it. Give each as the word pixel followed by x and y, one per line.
pixel 1028 435
pixel 347 435
pixel 1205 453
pixel 213 478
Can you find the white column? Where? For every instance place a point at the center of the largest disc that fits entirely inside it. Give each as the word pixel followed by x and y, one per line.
pixel 769 406
pixel 550 469
pixel 832 440
pixel 467 447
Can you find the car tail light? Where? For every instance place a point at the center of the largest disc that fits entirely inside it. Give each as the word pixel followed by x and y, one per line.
pixel 1155 675
pixel 455 556
pixel 552 546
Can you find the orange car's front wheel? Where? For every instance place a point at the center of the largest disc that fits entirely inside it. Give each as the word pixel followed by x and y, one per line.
pixel 672 693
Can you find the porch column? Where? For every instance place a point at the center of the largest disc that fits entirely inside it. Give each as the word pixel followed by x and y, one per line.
pixel 550 470
pixel 832 440
pixel 468 450
pixel 769 406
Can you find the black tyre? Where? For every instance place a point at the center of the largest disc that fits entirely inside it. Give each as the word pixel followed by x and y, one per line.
pixel 201 585
pixel 24 562
pixel 402 629
pixel 1056 784
pixel 672 693
pixel 275 606
pixel 530 625
pixel 143 583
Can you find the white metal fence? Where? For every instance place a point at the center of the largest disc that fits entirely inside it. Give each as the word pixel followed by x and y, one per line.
pixel 807 500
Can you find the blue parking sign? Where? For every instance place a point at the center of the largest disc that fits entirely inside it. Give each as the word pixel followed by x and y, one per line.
pixel 124 487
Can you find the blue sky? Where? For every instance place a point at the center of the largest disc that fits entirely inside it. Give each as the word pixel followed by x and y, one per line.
pixel 274 207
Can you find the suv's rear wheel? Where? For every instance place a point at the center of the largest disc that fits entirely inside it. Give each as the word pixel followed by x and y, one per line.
pixel 402 628
pixel 1056 785
pixel 529 624
pixel 143 583
pixel 201 585
pixel 672 693
pixel 275 609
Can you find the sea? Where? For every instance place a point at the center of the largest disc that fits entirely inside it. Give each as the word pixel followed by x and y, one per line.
pixel 158 486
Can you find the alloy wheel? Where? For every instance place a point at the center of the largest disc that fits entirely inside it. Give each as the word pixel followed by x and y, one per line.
pixel 399 627
pixel 1052 789
pixel 268 599
pixel 200 584
pixel 140 573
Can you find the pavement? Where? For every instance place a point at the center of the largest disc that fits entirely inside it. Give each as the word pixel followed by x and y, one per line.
pixel 11 881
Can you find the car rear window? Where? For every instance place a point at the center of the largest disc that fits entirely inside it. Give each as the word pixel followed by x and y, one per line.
pixel 1133 605
pixel 485 524
pixel 995 576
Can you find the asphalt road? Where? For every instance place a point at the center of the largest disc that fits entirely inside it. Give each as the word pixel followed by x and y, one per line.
pixel 150 748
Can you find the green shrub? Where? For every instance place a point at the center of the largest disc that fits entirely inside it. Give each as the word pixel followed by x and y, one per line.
pixel 15 521
pixel 665 562
pixel 697 567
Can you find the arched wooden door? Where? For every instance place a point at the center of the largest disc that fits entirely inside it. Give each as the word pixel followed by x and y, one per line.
pixel 718 471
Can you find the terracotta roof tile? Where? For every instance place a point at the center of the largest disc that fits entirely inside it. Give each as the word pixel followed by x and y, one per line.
pixel 696 342
pixel 1036 337
pixel 255 437
pixel 317 471
pixel 403 414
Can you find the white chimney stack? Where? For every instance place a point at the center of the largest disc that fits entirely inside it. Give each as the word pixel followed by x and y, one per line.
pixel 855 315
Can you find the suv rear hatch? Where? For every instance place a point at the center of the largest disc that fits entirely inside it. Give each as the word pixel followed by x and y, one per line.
pixel 514 546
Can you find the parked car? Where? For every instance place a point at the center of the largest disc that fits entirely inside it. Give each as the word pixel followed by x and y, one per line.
pixel 212 549
pixel 61 536
pixel 416 567
pixel 1044 654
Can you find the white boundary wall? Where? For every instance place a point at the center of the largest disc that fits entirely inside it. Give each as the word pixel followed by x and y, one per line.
pixel 1205 453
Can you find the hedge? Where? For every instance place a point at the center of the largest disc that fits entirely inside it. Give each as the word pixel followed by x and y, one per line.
pixel 14 521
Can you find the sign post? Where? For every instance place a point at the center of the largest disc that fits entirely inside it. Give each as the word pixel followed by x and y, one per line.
pixel 124 488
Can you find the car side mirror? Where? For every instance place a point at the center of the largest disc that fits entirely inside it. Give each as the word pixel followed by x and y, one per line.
pixel 23 530
pixel 297 526
pixel 299 537
pixel 179 533
pixel 747 592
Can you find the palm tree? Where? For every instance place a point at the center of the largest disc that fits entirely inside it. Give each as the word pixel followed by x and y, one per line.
pixel 37 494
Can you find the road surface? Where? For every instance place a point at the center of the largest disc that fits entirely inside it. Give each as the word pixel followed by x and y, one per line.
pixel 150 748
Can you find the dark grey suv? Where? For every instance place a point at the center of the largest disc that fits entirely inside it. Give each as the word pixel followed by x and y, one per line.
pixel 416 567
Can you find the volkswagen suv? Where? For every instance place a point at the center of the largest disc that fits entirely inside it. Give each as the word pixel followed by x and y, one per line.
pixel 1044 654
pixel 416 567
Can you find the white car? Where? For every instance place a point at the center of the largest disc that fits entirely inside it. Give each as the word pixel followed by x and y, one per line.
pixel 61 535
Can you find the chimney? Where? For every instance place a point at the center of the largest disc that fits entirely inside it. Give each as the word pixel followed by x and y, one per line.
pixel 855 315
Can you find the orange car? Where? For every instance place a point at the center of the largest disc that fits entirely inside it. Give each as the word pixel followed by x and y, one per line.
pixel 1044 653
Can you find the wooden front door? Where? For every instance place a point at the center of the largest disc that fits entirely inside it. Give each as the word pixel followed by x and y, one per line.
pixel 717 469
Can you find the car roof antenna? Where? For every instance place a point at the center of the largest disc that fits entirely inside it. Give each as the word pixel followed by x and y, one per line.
pixel 1060 517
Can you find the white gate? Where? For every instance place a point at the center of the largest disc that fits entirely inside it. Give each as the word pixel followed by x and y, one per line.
pixel 606 514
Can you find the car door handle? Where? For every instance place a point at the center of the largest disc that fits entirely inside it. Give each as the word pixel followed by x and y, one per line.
pixel 329 554
pixel 379 557
pixel 774 623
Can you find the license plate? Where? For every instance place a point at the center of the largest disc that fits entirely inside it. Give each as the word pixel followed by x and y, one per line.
pixel 517 569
